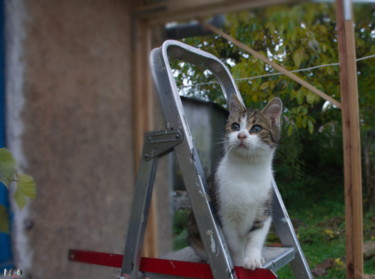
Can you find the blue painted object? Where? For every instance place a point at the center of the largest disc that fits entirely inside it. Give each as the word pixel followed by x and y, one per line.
pixel 6 260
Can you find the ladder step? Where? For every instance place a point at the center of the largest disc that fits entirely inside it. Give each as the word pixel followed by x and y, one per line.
pixel 277 257
pixel 151 266
pixel 274 257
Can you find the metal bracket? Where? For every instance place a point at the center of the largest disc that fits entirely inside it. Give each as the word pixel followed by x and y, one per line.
pixel 158 143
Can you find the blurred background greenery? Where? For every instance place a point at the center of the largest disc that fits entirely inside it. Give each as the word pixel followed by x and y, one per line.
pixel 308 164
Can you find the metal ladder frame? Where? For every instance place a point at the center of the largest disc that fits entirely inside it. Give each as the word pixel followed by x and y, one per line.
pixel 178 138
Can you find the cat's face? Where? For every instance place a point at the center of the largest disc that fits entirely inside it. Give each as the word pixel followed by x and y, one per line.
pixel 253 133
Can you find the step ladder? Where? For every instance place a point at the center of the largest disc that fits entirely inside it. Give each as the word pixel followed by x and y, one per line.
pixel 177 138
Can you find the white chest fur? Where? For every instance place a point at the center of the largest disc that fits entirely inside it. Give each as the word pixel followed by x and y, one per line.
pixel 242 186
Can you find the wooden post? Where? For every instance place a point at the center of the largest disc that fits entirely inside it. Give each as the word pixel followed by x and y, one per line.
pixel 351 140
pixel 142 113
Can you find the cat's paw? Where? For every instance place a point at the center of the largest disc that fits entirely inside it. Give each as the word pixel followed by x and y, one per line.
pixel 252 262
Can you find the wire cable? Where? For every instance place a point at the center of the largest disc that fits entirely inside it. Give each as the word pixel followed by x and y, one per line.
pixel 277 74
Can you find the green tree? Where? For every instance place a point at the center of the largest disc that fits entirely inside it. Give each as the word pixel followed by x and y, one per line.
pixel 296 37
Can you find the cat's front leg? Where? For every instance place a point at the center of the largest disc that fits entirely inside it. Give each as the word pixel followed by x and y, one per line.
pixel 235 244
pixel 253 253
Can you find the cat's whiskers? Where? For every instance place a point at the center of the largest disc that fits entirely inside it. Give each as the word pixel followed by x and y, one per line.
pixel 219 133
pixel 230 148
pixel 225 141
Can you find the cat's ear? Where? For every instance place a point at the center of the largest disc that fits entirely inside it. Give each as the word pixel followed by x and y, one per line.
pixel 235 105
pixel 273 110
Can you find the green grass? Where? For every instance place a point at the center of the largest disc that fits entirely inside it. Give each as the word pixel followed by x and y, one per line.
pixel 180 220
pixel 321 232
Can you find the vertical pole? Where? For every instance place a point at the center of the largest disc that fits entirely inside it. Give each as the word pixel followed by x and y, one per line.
pixel 142 113
pixel 351 140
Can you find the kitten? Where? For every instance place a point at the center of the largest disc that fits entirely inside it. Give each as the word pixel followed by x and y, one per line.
pixel 241 188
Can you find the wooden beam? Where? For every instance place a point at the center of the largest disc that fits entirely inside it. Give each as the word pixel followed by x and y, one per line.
pixel 142 113
pixel 178 4
pixel 172 10
pixel 351 140
pixel 271 63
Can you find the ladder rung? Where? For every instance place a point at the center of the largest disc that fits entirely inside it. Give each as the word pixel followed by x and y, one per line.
pixel 151 266
pixel 274 257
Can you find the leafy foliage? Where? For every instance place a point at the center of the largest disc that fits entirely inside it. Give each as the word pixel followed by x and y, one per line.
pixel 7 167
pixel 294 37
pixel 25 189
pixel 25 185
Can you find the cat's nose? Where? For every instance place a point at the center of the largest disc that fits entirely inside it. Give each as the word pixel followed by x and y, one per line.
pixel 241 136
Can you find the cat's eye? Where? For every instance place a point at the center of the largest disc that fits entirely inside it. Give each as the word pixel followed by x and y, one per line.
pixel 256 129
pixel 235 127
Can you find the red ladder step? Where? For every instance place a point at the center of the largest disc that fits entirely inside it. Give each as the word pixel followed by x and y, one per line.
pixel 163 266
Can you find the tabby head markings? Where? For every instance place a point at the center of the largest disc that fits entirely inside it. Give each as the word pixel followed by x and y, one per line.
pixel 253 133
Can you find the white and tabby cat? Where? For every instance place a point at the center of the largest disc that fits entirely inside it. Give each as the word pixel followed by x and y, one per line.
pixel 241 188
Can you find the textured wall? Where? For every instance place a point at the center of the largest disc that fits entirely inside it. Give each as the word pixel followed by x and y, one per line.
pixel 77 131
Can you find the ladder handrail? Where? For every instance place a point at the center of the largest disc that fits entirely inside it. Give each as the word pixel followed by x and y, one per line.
pixel 210 230
pixel 166 84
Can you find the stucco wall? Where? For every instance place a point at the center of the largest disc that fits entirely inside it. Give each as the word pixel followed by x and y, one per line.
pixel 70 125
